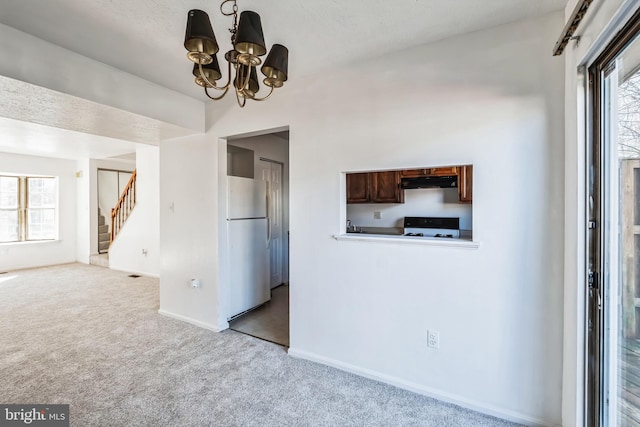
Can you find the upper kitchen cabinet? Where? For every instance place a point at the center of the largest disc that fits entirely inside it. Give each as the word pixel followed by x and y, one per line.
pixel 412 173
pixel 374 187
pixel 385 187
pixel 442 171
pixel 390 186
pixel 465 184
pixel 358 188
pixel 447 171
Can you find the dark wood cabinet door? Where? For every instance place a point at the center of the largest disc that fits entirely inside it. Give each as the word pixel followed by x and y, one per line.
pixel 447 171
pixel 413 173
pixel 385 187
pixel 465 184
pixel 358 188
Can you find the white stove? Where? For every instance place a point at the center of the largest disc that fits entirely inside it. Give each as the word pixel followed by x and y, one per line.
pixel 438 227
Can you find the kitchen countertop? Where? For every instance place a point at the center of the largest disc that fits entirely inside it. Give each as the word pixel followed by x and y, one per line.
pixel 393 231
pixel 399 238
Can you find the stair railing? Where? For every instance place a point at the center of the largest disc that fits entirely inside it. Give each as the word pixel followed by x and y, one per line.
pixel 123 208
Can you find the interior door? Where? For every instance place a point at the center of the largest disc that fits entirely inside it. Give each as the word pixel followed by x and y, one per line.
pixel 613 336
pixel 271 172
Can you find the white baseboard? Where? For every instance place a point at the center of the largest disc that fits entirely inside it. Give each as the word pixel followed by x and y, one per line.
pixel 420 389
pixel 186 319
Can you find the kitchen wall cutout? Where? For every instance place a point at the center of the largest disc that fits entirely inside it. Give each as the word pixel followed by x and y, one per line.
pixel 369 193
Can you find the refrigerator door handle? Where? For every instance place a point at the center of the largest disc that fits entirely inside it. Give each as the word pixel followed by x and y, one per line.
pixel 268 232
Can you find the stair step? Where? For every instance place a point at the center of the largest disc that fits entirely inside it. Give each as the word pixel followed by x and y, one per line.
pixel 103 228
pixel 100 260
pixel 103 245
pixel 104 237
pixel 101 220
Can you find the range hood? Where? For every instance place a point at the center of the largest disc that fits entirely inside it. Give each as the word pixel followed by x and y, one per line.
pixel 429 182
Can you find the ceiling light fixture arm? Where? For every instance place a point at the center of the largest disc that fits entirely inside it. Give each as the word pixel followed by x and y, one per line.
pixel 262 99
pixel 244 100
pixel 226 89
pixel 211 84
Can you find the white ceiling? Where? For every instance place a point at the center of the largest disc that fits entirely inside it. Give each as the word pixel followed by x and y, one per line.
pixel 145 37
pixel 21 137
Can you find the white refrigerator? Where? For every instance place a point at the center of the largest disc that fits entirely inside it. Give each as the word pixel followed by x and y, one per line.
pixel 247 244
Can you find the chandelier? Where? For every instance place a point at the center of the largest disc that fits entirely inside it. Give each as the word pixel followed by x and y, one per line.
pixel 248 46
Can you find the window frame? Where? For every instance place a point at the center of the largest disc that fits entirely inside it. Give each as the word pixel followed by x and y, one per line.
pixel 24 209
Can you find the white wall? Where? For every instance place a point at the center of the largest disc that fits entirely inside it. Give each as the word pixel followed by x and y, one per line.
pixel 63 250
pixel 188 229
pixel 493 99
pixel 602 21
pixel 86 210
pixel 136 249
pixel 417 202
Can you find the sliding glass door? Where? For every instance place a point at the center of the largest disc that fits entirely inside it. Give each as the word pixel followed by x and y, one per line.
pixel 613 374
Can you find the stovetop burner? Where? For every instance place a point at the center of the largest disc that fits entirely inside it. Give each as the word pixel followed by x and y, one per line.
pixel 432 227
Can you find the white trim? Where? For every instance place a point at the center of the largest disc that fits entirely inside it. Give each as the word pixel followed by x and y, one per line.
pixel 186 319
pixel 611 29
pixel 427 241
pixel 420 389
pixel 31 242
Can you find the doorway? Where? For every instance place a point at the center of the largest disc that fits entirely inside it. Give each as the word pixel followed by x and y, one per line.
pixel 613 208
pixel 111 183
pixel 265 160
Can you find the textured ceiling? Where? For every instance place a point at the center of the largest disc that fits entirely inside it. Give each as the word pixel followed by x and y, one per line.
pixel 144 37
pixel 43 122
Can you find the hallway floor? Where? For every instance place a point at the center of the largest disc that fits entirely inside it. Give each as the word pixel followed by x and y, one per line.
pixel 269 322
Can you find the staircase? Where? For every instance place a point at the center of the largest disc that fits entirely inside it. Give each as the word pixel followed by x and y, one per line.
pixel 125 205
pixel 104 237
pixel 119 215
pixel 104 240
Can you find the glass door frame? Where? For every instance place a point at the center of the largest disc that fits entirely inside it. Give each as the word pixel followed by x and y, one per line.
pixel 598 197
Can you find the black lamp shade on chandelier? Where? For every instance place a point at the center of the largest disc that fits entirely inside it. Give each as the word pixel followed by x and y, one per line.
pixel 275 66
pixel 250 38
pixel 199 38
pixel 248 46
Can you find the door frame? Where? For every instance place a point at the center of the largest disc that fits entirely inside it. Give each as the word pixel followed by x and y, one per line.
pixel 596 312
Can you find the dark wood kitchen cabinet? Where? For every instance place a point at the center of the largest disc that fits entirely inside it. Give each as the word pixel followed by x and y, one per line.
pixel 448 171
pixel 374 187
pixel 358 188
pixel 465 184
pixel 385 187
pixel 415 173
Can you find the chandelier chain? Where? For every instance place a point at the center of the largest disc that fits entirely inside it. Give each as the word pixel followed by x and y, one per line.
pixel 234 13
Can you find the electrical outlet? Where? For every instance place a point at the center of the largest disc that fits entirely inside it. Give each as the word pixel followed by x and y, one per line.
pixel 376 215
pixel 433 339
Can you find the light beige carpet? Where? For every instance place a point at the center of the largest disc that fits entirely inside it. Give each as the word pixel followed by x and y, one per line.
pixel 92 338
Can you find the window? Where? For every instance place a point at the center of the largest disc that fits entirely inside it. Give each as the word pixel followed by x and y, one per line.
pixel 28 208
